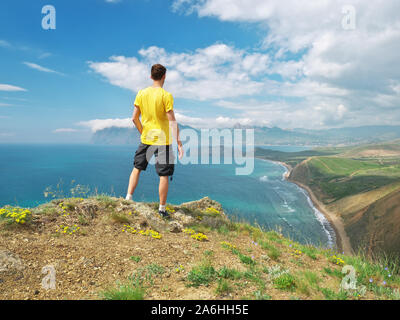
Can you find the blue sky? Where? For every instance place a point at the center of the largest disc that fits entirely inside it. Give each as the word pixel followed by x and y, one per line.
pixel 243 62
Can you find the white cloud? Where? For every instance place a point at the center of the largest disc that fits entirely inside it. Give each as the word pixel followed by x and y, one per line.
pixel 9 87
pixel 214 72
pixel 45 55
pixel 40 68
pixel 65 130
pixel 5 105
pixel 214 122
pixel 100 124
pixel 321 63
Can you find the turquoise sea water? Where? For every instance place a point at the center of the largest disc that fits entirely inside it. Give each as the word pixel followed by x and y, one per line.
pixel 263 197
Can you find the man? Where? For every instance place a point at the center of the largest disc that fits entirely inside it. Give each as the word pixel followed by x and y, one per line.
pixel 155 105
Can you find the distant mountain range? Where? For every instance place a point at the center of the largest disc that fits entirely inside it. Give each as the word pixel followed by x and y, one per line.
pixel 275 135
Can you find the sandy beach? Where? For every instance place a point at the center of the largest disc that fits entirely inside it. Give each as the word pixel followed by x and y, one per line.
pixel 342 240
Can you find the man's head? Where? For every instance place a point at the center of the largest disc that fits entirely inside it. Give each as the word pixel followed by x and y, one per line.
pixel 158 72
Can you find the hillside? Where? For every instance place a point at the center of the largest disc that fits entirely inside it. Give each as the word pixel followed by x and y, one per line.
pixel 109 248
pixel 353 184
pixel 376 227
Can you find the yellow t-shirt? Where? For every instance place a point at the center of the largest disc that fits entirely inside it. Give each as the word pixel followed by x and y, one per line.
pixel 154 103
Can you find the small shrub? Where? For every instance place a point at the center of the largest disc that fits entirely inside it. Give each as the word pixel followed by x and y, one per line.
pixel 128 291
pixel 285 281
pixel 201 275
pixel 259 295
pixel 15 215
pixel 223 287
pixel 119 218
pixel 246 259
pixel 228 273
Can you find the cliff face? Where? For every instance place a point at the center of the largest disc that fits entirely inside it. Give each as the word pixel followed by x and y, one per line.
pixel 376 228
pixel 371 218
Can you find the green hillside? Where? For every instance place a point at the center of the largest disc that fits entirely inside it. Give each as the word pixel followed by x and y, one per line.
pixel 350 182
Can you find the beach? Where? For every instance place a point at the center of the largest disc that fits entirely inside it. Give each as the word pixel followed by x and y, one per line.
pixel 342 240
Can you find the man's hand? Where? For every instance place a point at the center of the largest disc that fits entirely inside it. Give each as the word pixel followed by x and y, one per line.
pixel 136 120
pixel 175 131
pixel 180 150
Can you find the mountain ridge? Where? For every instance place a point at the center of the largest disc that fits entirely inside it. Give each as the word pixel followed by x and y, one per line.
pixel 274 135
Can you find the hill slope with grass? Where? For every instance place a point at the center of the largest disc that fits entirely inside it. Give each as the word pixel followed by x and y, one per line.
pixel 357 184
pixel 108 248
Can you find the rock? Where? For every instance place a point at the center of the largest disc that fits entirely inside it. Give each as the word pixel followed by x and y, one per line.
pixel 175 227
pixel 203 203
pixel 184 219
pixel 10 262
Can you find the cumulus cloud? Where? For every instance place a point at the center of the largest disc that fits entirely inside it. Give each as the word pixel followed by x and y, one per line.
pixel 342 76
pixel 214 72
pixel 195 122
pixel 100 124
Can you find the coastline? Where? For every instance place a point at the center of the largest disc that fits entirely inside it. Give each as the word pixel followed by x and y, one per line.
pixel 342 240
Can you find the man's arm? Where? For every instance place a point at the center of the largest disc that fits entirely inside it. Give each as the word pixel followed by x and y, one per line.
pixel 175 131
pixel 136 120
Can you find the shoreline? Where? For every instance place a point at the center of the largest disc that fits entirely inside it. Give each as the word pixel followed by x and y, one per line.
pixel 342 240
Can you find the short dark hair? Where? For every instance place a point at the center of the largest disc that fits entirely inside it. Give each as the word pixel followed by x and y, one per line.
pixel 158 71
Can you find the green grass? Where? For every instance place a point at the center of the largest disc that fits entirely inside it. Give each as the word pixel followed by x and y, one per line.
pixel 155 269
pixel 259 295
pixel 332 295
pixel 285 281
pixel 127 291
pixel 119 218
pixel 228 273
pixel 333 272
pixel 203 274
pixel 273 252
pixel 223 287
pixel 246 259
pixel 312 278
pixel 106 201
pixel 135 287
pixel 135 258
pixel 341 177
pixel 310 251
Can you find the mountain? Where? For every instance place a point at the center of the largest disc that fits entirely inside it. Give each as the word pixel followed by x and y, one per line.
pixel 120 136
pixel 275 135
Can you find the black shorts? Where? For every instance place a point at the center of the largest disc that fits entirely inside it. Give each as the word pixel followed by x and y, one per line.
pixel 164 158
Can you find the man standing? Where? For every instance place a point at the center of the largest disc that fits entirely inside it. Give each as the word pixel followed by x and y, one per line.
pixel 155 105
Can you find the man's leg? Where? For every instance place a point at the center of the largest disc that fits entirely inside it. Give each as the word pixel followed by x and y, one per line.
pixel 163 190
pixel 133 181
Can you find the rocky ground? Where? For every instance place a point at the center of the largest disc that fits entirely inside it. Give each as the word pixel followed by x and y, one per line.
pixel 196 254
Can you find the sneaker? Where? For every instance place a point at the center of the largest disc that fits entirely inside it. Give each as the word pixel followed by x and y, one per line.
pixel 163 214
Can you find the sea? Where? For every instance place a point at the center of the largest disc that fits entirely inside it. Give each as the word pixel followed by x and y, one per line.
pixel 264 197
